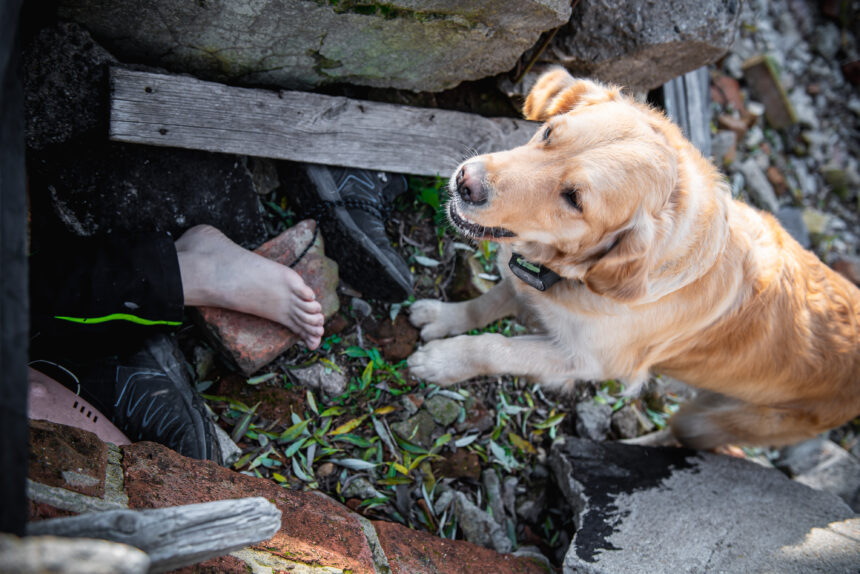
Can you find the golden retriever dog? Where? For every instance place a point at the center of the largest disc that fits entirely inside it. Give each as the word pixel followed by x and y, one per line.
pixel 661 271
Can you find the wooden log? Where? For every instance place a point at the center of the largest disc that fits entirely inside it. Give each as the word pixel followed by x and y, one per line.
pixel 54 555
pixel 177 536
pixel 180 111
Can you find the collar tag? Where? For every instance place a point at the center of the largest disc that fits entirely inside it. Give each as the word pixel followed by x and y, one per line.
pixel 535 274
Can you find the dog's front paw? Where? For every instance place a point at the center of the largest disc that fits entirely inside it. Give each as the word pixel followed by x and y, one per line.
pixel 439 362
pixel 429 315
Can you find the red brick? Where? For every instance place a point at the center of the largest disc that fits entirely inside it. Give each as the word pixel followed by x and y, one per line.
pixel 42 511
pixel 314 530
pixel 727 90
pixel 414 552
pixel 221 565
pixel 67 457
pixel 777 180
pixel 253 342
pixel 763 81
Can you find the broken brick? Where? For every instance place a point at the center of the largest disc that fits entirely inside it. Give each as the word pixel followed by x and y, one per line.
pixel 763 80
pixel 777 180
pixel 411 551
pixel 315 530
pixel 253 342
pixel 67 457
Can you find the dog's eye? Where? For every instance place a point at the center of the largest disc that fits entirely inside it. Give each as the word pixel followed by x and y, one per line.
pixel 546 133
pixel 571 195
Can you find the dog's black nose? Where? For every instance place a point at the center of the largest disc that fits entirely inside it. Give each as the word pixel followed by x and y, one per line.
pixel 470 183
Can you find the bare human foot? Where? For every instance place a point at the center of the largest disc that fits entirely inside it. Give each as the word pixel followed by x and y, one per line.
pixel 218 273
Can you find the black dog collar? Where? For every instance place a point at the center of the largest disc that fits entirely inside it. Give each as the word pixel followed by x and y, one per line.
pixel 535 274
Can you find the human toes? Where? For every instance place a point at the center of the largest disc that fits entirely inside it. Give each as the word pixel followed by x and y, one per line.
pixel 309 307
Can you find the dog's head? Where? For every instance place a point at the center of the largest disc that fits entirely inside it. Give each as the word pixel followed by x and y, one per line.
pixel 584 196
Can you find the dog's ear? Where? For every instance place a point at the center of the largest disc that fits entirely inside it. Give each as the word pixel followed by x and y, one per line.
pixel 557 92
pixel 622 273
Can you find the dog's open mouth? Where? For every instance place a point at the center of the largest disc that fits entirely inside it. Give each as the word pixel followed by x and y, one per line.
pixel 475 230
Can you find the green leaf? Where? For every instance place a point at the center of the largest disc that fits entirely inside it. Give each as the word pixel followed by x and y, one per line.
pixel 300 473
pixel 333 412
pixel 353 439
pixel 521 443
pixel 551 421
pixel 242 426
pixel 312 402
pixel 294 448
pixel 441 441
pixel 294 431
pixel 348 426
pixel 367 375
pixel 261 378
pixel 331 365
pixel 355 352
pixel 353 463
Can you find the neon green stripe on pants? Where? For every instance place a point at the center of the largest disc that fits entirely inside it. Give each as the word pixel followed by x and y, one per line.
pixel 116 317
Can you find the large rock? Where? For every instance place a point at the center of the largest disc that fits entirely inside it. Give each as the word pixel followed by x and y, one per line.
pixel 96 186
pixel 674 510
pixel 642 45
pixel 410 44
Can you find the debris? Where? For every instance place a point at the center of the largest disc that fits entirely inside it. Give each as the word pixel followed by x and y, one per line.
pixel 849 266
pixel 478 526
pixel 763 80
pixel 791 219
pixel 443 410
pixel 417 429
pixel 592 420
pixel 320 377
pixel 758 187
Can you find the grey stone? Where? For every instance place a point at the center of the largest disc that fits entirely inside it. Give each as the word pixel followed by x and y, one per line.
pixel 816 221
pixel 417 429
pixel 722 144
pixel 758 187
pixel 478 526
pixel 509 494
pixel 320 377
pixel 625 423
pixel 804 108
pixel 443 410
pixel 642 45
pixel 592 420
pixel 669 510
pixel 791 219
pixel 409 44
pixel 264 174
pixel 230 452
pixel 493 488
pixel 97 186
pixel 836 472
pixel 532 505
pixel 828 39
pixel 360 488
pixel 106 187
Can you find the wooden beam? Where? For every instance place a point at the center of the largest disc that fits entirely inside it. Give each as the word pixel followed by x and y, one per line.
pixel 176 536
pixel 180 111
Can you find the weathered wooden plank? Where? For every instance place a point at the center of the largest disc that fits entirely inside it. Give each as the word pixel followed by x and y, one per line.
pixel 180 111
pixel 175 536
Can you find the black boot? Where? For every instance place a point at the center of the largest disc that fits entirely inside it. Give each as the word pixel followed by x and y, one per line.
pixel 146 394
pixel 351 206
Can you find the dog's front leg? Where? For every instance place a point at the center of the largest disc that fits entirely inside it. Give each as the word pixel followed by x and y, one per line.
pixel 459 358
pixel 438 319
